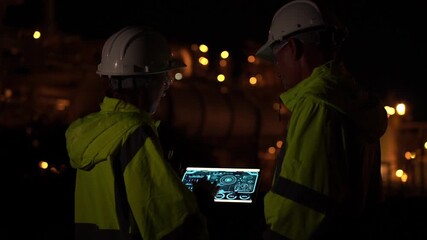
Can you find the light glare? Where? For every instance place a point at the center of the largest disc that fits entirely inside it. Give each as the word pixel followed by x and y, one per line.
pixel 399 173
pixel 252 80
pixel 43 165
pixel 251 59
pixel 390 111
pixel 224 54
pixel 400 108
pixel 36 34
pixel 220 78
pixel 203 48
pixel 178 76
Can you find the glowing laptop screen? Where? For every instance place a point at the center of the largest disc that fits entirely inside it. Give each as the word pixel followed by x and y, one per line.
pixel 235 184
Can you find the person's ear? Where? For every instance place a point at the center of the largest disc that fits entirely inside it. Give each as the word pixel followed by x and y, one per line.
pixel 297 48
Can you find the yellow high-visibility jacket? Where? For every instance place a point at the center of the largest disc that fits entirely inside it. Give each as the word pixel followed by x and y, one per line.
pixel 124 186
pixel 329 169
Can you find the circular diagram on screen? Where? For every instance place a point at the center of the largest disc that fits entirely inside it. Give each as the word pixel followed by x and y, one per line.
pixel 228 180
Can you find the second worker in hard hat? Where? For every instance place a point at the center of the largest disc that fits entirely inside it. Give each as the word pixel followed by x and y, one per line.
pixel 327 182
pixel 124 188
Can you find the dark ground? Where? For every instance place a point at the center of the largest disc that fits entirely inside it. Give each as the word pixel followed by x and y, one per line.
pixel 44 211
pixel 39 204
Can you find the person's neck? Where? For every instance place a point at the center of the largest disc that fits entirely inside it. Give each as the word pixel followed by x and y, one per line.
pixel 312 62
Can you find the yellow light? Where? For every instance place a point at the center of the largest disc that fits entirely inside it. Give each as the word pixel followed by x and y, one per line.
pixel 252 80
pixel 279 144
pixel 251 59
pixel 399 173
pixel 43 165
pixel 36 34
pixel 271 150
pixel 425 145
pixel 204 61
pixel 224 54
pixel 390 111
pixel 178 76
pixel 203 48
pixel 400 108
pixel 404 177
pixel 410 155
pixel 220 78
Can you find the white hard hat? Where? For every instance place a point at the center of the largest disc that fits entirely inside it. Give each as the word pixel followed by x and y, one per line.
pixel 294 17
pixel 136 51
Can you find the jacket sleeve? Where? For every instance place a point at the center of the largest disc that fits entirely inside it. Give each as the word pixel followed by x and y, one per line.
pixel 158 200
pixel 312 177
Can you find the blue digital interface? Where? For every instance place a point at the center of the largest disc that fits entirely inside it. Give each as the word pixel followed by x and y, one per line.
pixel 235 184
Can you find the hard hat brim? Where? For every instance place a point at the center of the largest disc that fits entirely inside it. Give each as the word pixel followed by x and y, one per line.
pixel 173 65
pixel 265 52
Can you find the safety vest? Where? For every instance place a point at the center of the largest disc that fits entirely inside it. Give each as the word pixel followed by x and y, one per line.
pixel 328 172
pixel 124 187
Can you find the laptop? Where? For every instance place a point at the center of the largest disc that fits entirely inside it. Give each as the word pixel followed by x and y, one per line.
pixel 236 185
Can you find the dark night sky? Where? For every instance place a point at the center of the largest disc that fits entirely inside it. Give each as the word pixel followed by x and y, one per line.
pixel 386 42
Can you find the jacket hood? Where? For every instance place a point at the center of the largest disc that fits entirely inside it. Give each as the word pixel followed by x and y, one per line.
pixel 342 93
pixel 96 137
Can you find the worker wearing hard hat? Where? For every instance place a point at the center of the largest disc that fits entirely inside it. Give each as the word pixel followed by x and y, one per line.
pixel 327 179
pixel 125 189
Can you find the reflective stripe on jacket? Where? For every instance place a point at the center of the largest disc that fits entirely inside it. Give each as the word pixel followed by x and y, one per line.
pixel 330 170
